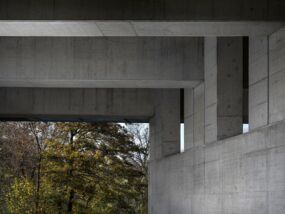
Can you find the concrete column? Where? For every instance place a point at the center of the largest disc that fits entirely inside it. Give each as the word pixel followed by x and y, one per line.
pixel 223 88
pixel 211 89
pixel 230 87
pixel 188 118
pixel 199 115
pixel 194 117
pixel 258 82
pixel 277 76
pixel 165 125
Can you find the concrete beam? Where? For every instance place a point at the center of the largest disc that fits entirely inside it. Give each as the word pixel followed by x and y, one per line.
pixel 120 105
pixel 135 28
pixel 119 62
pixel 142 10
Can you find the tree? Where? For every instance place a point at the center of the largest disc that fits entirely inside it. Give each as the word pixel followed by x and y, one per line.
pixel 93 165
pixel 20 199
pixel 140 133
pixel 74 168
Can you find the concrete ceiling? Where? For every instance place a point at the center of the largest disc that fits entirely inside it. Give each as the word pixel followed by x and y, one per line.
pixel 135 28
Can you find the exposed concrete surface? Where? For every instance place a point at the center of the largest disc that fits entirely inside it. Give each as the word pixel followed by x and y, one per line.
pixel 277 76
pixel 135 28
pixel 244 175
pixel 211 89
pixel 188 118
pixel 82 104
pixel 267 78
pixel 258 81
pixel 230 87
pixel 194 116
pixel 165 124
pixel 223 87
pixel 140 44
pixel 199 115
pixel 121 62
pixel 142 10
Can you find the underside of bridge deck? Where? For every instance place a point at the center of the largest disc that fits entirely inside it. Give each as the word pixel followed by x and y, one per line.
pixel 212 65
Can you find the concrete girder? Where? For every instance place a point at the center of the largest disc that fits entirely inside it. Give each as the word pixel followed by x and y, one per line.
pixel 135 28
pixel 119 62
pixel 120 105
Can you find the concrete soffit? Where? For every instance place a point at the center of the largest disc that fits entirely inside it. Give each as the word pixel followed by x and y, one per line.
pixel 135 28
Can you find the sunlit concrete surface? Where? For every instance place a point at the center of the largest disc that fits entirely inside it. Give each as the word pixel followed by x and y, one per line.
pixel 135 28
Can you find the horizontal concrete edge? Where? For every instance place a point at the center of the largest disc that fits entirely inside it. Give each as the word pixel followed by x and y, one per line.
pixel 99 83
pixel 95 28
pixel 75 118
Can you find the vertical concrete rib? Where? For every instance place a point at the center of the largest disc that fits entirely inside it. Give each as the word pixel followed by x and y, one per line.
pixel 223 88
pixel 258 81
pixel 165 125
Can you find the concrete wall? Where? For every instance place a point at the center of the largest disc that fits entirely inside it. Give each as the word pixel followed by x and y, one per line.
pixel 244 175
pixel 124 62
pixel 267 78
pixel 142 10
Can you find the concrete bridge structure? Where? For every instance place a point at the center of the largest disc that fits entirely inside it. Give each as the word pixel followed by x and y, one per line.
pixel 212 65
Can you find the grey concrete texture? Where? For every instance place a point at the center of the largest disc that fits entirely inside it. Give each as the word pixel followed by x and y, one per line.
pixel 258 81
pixel 223 87
pixel 258 58
pixel 121 28
pixel 211 88
pixel 188 118
pixel 199 115
pixel 118 62
pixel 142 10
pixel 165 124
pixel 77 104
pixel 242 175
pixel 230 87
pixel 258 104
pixel 230 77
pixel 277 76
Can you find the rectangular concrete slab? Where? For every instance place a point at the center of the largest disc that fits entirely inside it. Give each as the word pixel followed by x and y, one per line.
pixel 101 63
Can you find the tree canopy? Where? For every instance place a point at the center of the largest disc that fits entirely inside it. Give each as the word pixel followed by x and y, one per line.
pixel 98 168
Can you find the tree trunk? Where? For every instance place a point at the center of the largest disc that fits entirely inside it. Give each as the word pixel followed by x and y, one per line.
pixel 70 202
pixel 71 193
pixel 59 207
pixel 38 185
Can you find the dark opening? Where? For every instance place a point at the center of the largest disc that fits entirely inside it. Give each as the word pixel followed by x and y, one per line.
pixel 245 82
pixel 182 105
